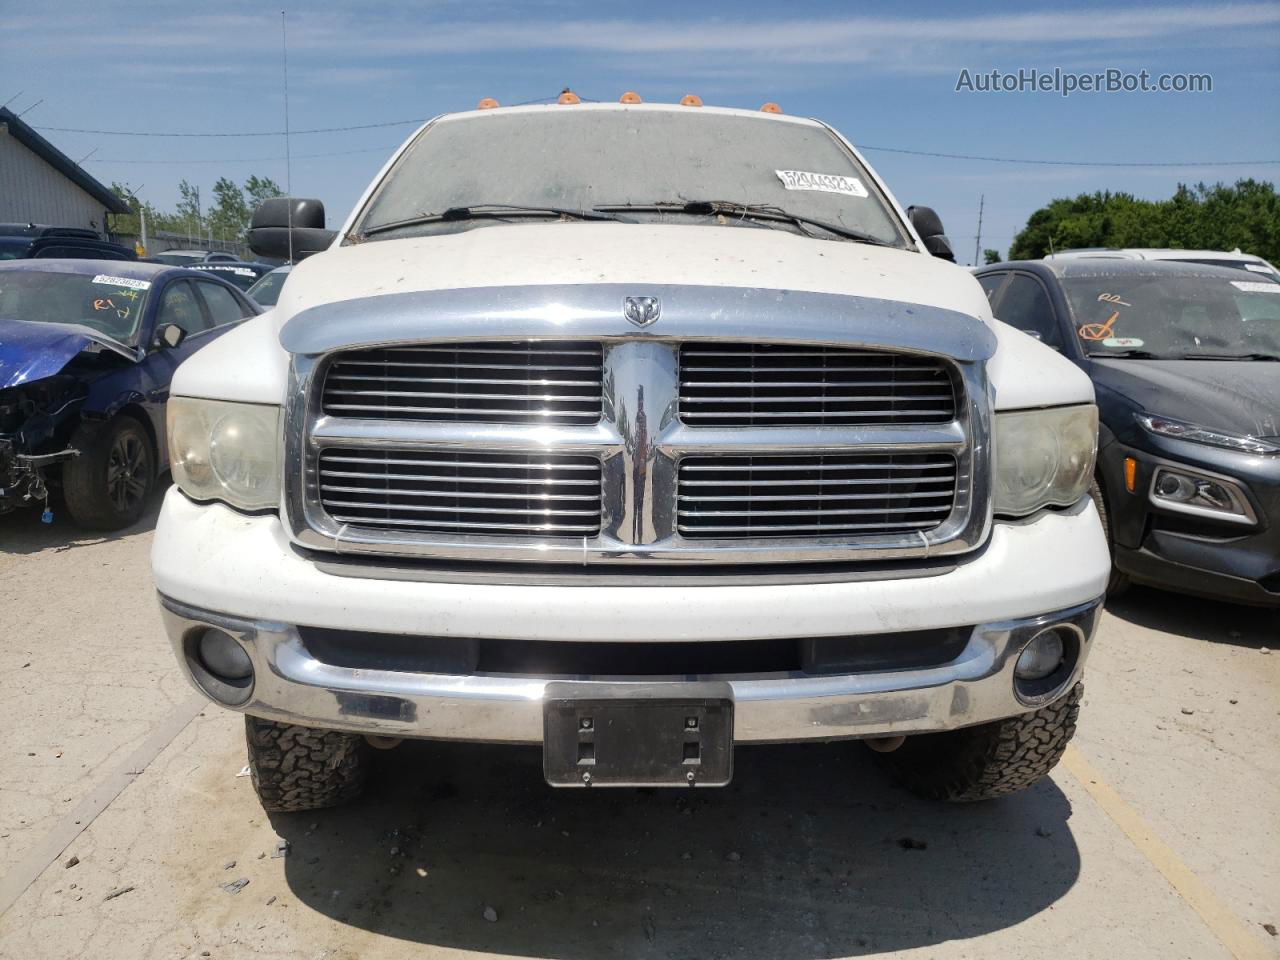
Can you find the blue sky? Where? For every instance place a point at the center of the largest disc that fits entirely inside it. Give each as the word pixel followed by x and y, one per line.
pixel 882 73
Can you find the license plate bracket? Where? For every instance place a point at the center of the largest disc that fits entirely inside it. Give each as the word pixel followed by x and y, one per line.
pixel 637 735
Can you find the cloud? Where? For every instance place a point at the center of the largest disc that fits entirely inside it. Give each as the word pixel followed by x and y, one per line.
pixel 907 44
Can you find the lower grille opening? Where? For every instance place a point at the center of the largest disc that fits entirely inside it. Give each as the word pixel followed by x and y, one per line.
pixel 818 656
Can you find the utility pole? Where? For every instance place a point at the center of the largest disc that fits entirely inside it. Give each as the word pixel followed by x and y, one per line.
pixel 977 243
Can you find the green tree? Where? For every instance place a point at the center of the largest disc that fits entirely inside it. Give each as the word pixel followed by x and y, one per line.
pixel 990 256
pixel 229 215
pixel 261 188
pixel 1244 215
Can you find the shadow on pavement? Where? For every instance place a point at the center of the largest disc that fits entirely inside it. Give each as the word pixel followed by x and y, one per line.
pixel 22 532
pixel 1198 619
pixel 805 856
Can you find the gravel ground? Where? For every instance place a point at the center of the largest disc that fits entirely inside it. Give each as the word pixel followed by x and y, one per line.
pixel 1158 837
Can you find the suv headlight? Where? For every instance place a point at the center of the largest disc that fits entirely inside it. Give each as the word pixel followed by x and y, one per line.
pixel 1043 458
pixel 220 450
pixel 1181 430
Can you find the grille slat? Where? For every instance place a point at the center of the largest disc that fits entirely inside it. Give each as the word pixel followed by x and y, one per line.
pixel 542 382
pixel 480 493
pixel 774 385
pixel 827 494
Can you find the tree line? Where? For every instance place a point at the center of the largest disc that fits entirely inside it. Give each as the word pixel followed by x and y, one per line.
pixel 225 215
pixel 1245 215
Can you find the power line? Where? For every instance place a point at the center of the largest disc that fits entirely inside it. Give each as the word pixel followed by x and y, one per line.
pixel 296 156
pixel 1075 163
pixel 881 149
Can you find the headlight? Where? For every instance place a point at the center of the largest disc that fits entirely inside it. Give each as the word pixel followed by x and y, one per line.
pixel 1043 457
pixel 1181 430
pixel 220 450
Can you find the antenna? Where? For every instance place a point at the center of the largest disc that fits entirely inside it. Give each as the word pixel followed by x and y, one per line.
pixel 288 160
pixel 977 241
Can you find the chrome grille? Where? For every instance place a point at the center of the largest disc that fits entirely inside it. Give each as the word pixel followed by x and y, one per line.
pixel 461 493
pixel 771 385
pixel 814 496
pixel 544 382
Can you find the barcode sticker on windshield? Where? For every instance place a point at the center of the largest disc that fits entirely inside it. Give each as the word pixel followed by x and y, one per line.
pixel 822 182
pixel 122 282
pixel 1249 286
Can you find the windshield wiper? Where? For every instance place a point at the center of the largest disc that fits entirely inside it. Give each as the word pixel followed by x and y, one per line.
pixel 1126 355
pixel 751 211
pixel 1229 356
pixel 486 211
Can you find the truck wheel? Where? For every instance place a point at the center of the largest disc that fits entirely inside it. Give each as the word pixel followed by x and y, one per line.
pixel 987 761
pixel 1119 582
pixel 300 768
pixel 107 485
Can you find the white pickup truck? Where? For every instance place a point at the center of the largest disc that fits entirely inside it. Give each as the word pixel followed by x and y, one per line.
pixel 639 432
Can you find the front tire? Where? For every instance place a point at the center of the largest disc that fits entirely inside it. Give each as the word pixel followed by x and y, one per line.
pixel 987 761
pixel 300 768
pixel 106 487
pixel 1118 582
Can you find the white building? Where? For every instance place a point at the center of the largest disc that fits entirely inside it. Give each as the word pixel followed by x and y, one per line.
pixel 41 184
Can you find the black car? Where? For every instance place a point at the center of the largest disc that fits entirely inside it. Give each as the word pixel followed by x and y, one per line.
pixel 32 241
pixel 87 350
pixel 1185 361
pixel 243 274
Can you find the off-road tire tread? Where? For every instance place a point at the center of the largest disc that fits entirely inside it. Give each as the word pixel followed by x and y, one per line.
pixel 988 761
pixel 298 768
pixel 1118 582
pixel 82 487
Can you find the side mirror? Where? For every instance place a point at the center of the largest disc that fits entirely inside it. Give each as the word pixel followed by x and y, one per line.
pixel 289 224
pixel 929 225
pixel 169 335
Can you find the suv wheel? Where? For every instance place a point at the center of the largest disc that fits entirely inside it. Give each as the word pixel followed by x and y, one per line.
pixel 300 768
pixel 107 485
pixel 987 761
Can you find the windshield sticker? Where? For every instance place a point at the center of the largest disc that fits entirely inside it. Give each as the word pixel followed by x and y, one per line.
pixel 1250 286
pixel 1099 331
pixel 1258 268
pixel 1122 342
pixel 821 182
pixel 122 282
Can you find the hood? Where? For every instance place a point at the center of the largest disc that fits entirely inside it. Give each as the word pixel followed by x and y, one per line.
pixel 32 351
pixel 640 253
pixel 1240 396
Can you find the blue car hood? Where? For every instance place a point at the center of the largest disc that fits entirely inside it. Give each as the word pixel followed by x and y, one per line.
pixel 32 351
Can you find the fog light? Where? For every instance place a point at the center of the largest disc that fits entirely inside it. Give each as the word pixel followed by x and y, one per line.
pixel 1040 657
pixel 222 655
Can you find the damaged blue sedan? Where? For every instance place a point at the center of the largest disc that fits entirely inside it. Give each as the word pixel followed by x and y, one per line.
pixel 87 351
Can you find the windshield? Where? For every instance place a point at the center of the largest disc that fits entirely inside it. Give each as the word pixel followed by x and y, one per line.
pixel 582 158
pixel 109 304
pixel 267 290
pixel 178 259
pixel 1174 316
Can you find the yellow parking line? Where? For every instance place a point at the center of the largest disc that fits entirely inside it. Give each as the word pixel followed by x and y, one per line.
pixel 1225 925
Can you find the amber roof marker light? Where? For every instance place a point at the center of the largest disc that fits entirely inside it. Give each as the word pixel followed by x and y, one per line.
pixel 771 107
pixel 629 97
pixel 488 103
pixel 691 100
pixel 569 97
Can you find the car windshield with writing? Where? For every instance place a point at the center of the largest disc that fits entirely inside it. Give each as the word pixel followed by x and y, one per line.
pixel 111 305
pixel 266 292
pixel 629 165
pixel 1175 317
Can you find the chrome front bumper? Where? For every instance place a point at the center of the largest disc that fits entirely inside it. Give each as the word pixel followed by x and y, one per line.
pixel 291 685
